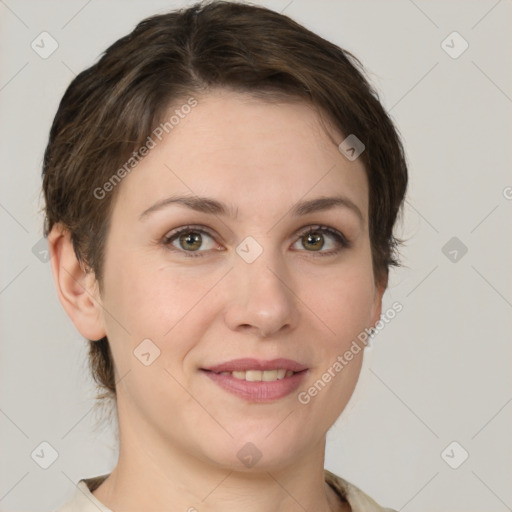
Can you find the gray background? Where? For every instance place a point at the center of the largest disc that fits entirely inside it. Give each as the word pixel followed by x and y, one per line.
pixel 438 373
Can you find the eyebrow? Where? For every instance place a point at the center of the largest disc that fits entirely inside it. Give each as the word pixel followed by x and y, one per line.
pixel 214 207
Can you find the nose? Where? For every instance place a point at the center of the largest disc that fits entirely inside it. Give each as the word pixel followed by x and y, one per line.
pixel 261 297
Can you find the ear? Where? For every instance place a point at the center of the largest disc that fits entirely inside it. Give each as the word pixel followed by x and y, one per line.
pixel 77 289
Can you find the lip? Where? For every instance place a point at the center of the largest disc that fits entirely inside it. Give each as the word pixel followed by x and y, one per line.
pixel 259 392
pixel 263 391
pixel 241 365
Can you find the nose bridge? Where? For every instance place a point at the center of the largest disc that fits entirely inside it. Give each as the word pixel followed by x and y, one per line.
pixel 266 273
pixel 262 290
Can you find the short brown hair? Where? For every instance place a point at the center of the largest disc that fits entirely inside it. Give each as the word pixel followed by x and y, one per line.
pixel 110 109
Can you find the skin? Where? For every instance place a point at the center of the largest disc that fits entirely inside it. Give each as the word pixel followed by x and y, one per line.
pixel 180 432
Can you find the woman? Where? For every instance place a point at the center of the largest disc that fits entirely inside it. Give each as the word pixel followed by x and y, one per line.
pixel 221 190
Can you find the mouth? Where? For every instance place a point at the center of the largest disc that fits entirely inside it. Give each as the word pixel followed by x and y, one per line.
pixel 256 380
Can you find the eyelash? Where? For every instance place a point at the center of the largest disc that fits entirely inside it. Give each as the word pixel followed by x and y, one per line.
pixel 339 238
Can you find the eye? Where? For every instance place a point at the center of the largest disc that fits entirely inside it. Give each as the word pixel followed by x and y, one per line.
pixel 189 240
pixel 314 240
pixel 192 241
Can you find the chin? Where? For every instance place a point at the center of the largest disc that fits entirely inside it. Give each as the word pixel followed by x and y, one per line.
pixel 258 449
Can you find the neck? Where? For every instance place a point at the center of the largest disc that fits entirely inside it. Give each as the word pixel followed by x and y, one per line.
pixel 153 475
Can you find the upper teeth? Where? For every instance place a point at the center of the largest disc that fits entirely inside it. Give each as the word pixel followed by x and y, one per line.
pixel 259 375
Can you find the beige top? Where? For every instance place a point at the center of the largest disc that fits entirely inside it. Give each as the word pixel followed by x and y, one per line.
pixel 84 501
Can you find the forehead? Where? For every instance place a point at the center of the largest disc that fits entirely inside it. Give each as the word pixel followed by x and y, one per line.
pixel 247 151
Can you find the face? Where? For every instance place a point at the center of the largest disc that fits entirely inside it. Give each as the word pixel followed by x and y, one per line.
pixel 271 275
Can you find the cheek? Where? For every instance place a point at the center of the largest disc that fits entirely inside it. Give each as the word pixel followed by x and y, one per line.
pixel 343 301
pixel 144 302
pixel 149 300
pixel 344 308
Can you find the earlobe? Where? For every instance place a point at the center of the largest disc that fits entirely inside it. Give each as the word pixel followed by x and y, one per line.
pixel 77 289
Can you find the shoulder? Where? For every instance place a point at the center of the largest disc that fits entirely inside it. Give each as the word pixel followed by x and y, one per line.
pixel 82 499
pixel 358 500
